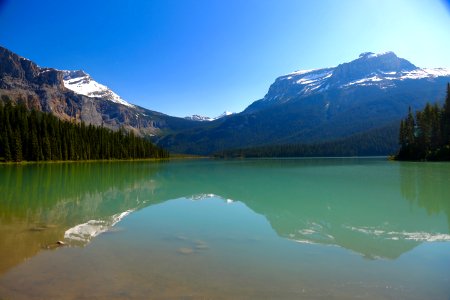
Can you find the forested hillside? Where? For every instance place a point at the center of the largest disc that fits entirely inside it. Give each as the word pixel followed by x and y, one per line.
pixel 378 142
pixel 426 136
pixel 35 136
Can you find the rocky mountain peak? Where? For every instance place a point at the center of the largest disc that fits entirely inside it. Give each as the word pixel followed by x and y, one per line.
pixel 72 74
pixel 21 70
pixel 368 64
pixel 16 66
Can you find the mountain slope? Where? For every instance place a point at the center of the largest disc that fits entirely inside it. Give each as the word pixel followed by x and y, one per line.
pixel 375 142
pixel 369 93
pixel 321 105
pixel 74 95
pixel 82 84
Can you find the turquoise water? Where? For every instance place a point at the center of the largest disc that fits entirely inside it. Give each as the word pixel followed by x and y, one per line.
pixel 278 228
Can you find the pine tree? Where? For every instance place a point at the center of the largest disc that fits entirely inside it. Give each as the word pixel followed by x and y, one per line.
pixel 427 136
pixel 436 129
pixel 39 136
pixel 46 147
pixel 8 156
pixel 35 151
pixel 445 119
pixel 410 128
pixel 402 134
pixel 17 146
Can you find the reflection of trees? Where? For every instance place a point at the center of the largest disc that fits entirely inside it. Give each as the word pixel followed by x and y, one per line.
pixel 38 203
pixel 427 185
pixel 33 189
pixel 336 198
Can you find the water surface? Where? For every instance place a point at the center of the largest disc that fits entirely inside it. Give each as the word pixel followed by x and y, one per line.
pixel 278 228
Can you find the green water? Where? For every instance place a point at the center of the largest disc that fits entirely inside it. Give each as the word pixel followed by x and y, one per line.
pixel 262 229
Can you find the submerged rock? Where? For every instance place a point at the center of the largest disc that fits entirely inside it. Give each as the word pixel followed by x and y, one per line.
pixel 201 245
pixel 37 229
pixel 42 227
pixel 184 250
pixel 56 245
pixel 181 237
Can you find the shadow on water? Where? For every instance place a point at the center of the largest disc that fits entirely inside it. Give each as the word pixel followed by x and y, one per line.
pixel 352 203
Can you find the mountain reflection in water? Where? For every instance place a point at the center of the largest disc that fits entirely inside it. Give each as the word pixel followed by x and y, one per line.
pixel 373 207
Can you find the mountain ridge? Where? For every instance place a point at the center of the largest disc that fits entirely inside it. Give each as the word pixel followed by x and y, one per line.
pixel 314 106
pixel 307 106
pixel 368 69
pixel 75 96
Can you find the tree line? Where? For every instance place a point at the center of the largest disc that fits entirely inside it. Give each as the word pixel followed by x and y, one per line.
pixel 36 136
pixel 426 135
pixel 376 142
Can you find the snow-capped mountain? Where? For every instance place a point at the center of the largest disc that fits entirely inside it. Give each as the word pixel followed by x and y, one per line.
pixel 354 99
pixel 370 93
pixel 204 118
pixel 224 114
pixel 81 83
pixel 383 70
pixel 74 95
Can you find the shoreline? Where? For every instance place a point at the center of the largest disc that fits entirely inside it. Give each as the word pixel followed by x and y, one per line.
pixel 177 157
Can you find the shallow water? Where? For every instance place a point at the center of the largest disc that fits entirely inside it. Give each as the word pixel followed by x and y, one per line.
pixel 278 228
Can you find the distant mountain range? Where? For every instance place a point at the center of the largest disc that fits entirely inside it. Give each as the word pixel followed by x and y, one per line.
pixel 369 94
pixel 204 118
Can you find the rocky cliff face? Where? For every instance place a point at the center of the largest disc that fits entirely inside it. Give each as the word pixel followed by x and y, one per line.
pixel 367 64
pixel 46 89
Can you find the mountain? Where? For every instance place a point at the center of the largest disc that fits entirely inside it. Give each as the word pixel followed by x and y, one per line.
pixel 204 118
pixel 74 95
pixel 224 114
pixel 199 118
pixel 384 71
pixel 331 105
pixel 82 84
pixel 371 92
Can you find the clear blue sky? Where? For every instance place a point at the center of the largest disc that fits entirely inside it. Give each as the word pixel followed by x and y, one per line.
pixel 208 56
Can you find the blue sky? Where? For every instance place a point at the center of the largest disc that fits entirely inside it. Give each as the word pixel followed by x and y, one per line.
pixel 207 56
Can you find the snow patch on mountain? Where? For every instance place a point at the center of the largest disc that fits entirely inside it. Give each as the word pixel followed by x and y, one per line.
pixel 81 83
pixel 385 77
pixel 314 77
pixel 199 118
pixel 224 114
pixel 318 80
pixel 426 73
pixel 311 80
pixel 204 118
pixel 374 55
pixel 301 72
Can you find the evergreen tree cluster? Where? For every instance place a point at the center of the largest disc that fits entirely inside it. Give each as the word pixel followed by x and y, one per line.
pixel 377 142
pixel 35 136
pixel 426 136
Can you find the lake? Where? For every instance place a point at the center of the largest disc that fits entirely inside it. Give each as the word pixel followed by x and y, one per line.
pixel 337 228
